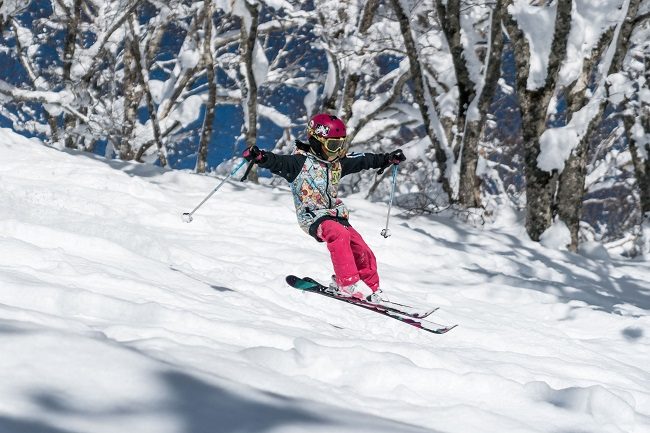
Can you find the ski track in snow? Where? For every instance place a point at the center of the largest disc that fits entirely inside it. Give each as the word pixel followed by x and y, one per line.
pixel 115 316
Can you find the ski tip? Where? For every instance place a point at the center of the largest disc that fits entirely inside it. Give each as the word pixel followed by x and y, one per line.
pixel 296 282
pixel 445 329
pixel 426 313
pixel 301 283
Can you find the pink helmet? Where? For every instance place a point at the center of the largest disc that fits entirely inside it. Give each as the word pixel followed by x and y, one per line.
pixel 327 136
pixel 326 126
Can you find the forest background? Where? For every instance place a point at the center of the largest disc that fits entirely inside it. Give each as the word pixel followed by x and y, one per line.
pixel 542 105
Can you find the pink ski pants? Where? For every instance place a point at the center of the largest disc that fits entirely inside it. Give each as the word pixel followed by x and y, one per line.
pixel 352 258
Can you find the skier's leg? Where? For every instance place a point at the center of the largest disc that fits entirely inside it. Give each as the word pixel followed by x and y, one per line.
pixel 365 260
pixel 337 237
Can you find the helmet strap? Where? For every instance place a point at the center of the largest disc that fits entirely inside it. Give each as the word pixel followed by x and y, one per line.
pixel 316 147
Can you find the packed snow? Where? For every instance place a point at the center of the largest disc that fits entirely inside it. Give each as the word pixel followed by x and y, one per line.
pixel 115 316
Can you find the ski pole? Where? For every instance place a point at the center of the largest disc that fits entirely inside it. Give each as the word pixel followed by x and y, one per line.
pixel 385 232
pixel 187 216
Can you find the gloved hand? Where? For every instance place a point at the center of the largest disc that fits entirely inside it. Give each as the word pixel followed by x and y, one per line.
pixel 254 154
pixel 395 157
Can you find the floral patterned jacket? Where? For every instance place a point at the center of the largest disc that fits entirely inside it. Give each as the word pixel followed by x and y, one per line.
pixel 315 182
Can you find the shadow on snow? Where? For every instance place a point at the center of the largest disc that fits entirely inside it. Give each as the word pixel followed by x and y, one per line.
pixel 599 289
pixel 197 406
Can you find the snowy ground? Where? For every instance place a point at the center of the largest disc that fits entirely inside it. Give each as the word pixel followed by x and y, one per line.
pixel 115 316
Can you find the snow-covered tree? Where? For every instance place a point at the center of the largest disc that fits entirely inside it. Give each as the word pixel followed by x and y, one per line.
pixel 565 68
pixel 454 49
pixel 632 88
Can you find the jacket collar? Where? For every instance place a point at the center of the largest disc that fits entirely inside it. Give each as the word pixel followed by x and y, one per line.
pixel 313 156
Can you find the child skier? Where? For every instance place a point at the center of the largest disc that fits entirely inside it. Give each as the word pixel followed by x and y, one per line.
pixel 314 172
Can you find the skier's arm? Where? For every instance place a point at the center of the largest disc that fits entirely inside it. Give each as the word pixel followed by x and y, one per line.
pixel 287 166
pixel 355 162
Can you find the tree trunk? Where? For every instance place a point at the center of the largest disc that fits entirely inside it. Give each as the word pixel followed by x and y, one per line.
pixel 419 94
pixel 449 17
pixel 248 83
pixel 640 158
pixel 571 189
pixel 572 180
pixel 142 72
pixel 540 186
pixel 132 97
pixel 571 184
pixel 469 193
pixel 533 105
pixel 69 45
pixel 349 93
pixel 208 62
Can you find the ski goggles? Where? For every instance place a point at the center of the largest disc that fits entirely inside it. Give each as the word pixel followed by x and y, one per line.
pixel 333 145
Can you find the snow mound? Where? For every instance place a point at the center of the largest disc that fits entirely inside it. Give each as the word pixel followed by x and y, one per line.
pixel 557 236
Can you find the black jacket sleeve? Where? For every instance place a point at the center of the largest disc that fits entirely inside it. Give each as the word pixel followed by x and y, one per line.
pixel 355 162
pixel 287 166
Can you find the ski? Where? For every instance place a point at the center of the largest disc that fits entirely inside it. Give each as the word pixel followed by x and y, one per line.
pixel 394 307
pixel 310 285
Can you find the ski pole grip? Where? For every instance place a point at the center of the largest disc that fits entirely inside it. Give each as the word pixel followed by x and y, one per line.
pixel 248 170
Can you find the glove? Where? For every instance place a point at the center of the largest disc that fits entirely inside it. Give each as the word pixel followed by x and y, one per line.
pixel 254 154
pixel 395 157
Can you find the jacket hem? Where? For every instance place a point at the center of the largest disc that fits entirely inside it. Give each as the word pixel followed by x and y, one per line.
pixel 313 229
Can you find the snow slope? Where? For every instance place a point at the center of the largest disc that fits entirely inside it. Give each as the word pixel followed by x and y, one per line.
pixel 115 316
